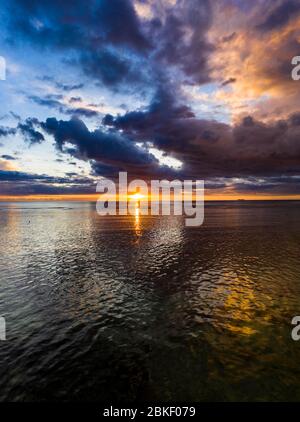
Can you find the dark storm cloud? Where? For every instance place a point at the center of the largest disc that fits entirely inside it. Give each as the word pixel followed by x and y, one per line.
pixel 108 151
pixel 26 128
pixel 20 183
pixel 111 43
pixel 28 131
pixel 120 24
pixel 77 24
pixel 163 108
pixel 81 111
pixel 280 15
pixel 109 68
pixel 105 170
pixel 84 28
pixel 182 40
pixel 8 157
pixel 45 189
pixel 7 175
pixel 210 148
pixel 207 148
pixel 5 131
pixel 96 145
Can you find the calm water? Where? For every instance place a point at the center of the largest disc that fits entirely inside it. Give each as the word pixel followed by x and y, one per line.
pixel 145 308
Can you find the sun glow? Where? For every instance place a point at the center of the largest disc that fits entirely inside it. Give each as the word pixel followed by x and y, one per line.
pixel 136 196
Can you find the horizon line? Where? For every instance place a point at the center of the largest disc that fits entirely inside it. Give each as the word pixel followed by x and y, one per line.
pixel 95 197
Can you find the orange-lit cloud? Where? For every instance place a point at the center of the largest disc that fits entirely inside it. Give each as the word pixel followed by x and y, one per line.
pixel 259 62
pixel 7 165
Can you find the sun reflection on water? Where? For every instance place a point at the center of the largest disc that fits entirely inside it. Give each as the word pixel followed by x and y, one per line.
pixel 137 219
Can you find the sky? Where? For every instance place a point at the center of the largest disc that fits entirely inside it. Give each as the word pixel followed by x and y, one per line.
pixel 162 89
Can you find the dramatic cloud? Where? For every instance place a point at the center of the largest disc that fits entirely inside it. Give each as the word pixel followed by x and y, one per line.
pixel 87 29
pixel 111 42
pixel 5 131
pixel 257 52
pixel 280 15
pixel 30 134
pixel 182 38
pixel 96 145
pixel 204 82
pixel 211 148
pixel 20 183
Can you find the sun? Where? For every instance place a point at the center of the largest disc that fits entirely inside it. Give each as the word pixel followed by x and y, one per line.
pixel 136 196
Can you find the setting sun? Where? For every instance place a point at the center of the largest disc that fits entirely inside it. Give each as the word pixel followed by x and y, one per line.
pixel 136 196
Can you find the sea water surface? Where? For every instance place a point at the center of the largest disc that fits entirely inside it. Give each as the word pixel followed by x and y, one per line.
pixel 144 308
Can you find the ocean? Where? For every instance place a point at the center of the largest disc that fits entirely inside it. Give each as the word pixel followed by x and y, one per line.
pixel 144 308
